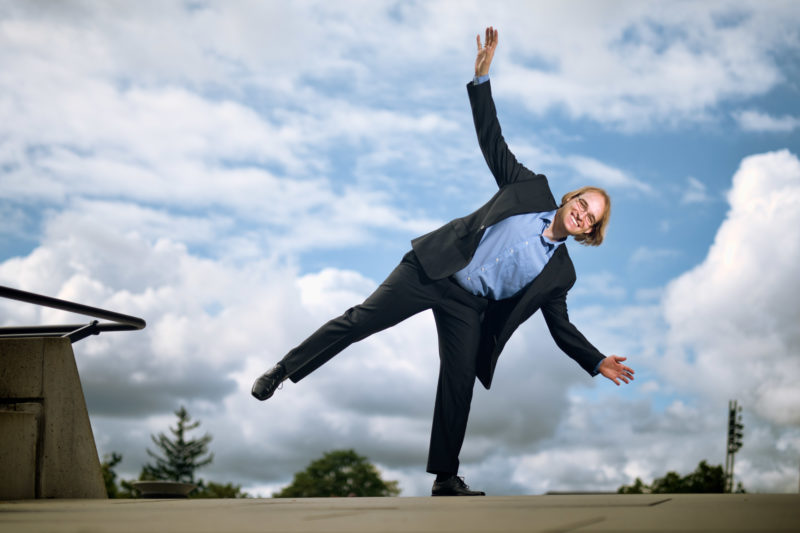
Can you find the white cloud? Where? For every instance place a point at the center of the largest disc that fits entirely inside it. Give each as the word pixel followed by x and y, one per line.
pixel 605 175
pixel 735 315
pixel 601 284
pixel 634 65
pixel 649 255
pixel 695 192
pixel 752 120
pixel 177 159
pixel 582 169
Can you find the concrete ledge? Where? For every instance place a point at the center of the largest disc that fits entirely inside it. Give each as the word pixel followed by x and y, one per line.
pixel 18 455
pixel 762 513
pixel 45 424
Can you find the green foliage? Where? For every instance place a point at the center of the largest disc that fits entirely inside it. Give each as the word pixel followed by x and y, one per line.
pixel 181 457
pixel 705 479
pixel 218 490
pixel 126 489
pixel 339 473
pixel 109 476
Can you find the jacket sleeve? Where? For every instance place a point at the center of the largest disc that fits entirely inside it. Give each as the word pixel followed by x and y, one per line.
pixel 502 163
pixel 567 336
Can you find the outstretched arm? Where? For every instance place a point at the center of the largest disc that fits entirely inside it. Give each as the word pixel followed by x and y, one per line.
pixel 574 344
pixel 612 368
pixel 485 53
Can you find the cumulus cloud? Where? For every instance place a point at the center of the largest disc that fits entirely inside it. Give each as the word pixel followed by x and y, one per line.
pixel 753 120
pixel 634 65
pixel 177 162
pixel 735 315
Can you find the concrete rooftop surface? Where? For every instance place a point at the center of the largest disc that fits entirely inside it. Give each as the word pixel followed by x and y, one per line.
pixel 762 513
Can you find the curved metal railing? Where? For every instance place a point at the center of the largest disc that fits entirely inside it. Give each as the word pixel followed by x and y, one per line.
pixel 74 332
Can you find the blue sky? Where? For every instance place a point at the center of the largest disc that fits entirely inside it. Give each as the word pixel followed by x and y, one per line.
pixel 237 173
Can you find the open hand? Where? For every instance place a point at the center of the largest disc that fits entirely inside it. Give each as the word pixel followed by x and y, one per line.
pixel 612 368
pixel 485 53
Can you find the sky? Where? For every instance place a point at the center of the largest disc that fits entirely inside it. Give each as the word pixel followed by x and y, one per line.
pixel 237 173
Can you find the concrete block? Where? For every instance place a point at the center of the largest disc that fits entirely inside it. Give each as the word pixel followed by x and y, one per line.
pixel 70 467
pixel 18 455
pixel 39 379
pixel 21 368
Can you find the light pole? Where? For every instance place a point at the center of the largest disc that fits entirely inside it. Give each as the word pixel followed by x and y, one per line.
pixel 735 427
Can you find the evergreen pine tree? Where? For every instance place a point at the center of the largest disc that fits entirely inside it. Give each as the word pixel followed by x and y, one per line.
pixel 180 457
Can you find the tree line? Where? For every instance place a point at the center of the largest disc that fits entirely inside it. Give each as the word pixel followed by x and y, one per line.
pixel 178 457
pixel 337 473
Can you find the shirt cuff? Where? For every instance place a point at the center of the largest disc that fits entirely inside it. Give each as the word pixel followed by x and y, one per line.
pixel 477 80
pixel 597 367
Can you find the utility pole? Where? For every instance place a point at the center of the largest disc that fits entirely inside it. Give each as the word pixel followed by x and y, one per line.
pixel 735 427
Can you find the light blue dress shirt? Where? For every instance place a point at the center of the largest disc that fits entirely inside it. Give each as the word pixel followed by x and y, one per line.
pixel 507 279
pixel 509 256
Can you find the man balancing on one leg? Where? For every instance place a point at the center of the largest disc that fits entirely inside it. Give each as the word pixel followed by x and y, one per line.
pixel 482 275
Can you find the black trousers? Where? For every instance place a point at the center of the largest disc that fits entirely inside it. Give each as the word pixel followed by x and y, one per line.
pixel 406 292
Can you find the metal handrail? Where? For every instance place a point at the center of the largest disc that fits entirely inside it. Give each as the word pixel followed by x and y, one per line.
pixel 74 332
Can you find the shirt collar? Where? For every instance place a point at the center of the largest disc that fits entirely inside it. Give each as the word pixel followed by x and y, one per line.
pixel 547 219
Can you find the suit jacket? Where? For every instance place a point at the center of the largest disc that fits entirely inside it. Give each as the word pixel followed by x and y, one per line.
pixel 450 248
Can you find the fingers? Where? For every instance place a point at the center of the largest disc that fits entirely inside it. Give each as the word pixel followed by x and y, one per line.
pixel 622 369
pixel 616 371
pixel 491 38
pixel 626 375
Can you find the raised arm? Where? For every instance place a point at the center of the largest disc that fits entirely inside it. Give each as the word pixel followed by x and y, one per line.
pixel 501 161
pixel 485 53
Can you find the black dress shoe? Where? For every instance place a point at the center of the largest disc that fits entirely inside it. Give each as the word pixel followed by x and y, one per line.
pixel 266 385
pixel 454 486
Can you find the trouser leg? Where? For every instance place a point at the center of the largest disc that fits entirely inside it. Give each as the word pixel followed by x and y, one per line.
pixel 404 293
pixel 458 327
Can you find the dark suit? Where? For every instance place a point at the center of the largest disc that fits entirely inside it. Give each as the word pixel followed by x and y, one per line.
pixel 472 330
pixel 449 249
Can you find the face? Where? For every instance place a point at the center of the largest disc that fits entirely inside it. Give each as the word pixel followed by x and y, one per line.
pixel 581 213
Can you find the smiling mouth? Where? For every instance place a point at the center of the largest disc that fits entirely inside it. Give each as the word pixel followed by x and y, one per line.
pixel 574 221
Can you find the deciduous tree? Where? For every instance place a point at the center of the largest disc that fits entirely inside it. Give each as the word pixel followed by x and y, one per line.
pixel 705 479
pixel 339 473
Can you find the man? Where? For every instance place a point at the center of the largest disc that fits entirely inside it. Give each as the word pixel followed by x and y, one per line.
pixel 482 275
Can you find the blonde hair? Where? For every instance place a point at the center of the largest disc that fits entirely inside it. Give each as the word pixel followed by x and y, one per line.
pixel 598 233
